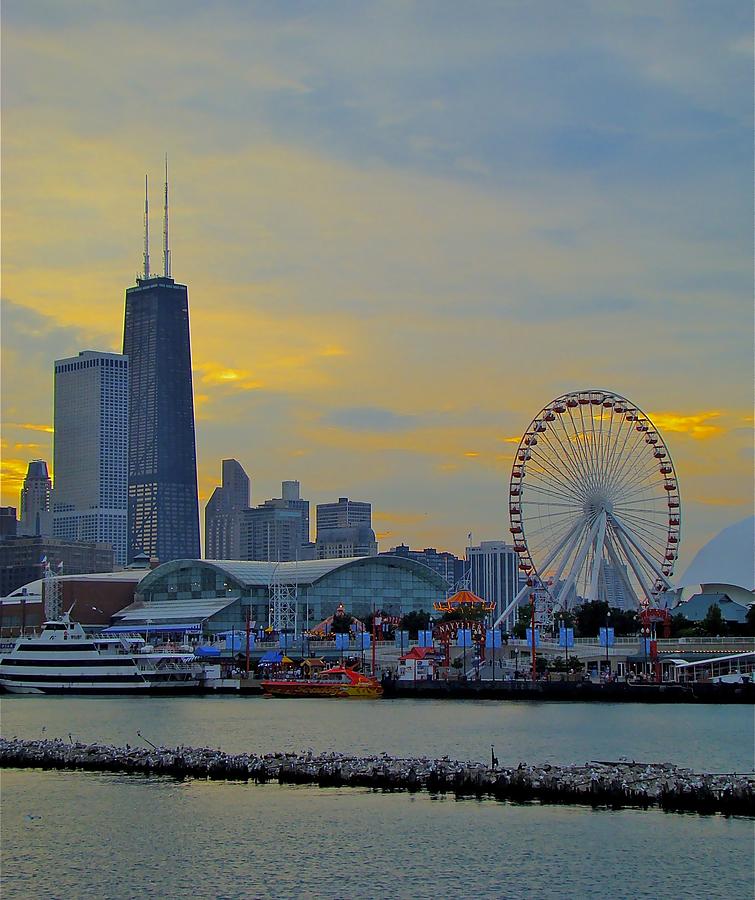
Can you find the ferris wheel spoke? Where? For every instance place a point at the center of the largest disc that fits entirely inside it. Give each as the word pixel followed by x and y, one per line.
pixel 580 448
pixel 570 450
pixel 619 451
pixel 631 559
pixel 641 527
pixel 632 454
pixel 551 478
pixel 654 565
pixel 556 469
pixel 573 465
pixel 548 491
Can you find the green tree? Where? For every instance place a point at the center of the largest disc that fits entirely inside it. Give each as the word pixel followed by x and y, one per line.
pixel 523 619
pixel 590 617
pixel 750 618
pixel 713 623
pixel 414 622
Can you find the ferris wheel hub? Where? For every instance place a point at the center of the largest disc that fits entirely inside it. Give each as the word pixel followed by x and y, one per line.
pixel 597 503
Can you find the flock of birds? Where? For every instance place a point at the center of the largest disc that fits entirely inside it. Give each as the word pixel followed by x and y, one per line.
pixel 615 784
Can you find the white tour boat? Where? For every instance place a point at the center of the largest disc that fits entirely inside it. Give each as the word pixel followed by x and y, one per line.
pixel 63 658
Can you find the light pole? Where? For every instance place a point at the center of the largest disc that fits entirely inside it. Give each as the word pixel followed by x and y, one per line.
pixel 608 663
pixel 645 634
pixel 562 621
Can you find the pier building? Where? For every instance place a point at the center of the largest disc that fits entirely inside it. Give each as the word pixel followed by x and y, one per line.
pixel 217 595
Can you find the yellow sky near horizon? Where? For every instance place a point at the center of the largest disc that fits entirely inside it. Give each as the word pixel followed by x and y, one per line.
pixel 391 267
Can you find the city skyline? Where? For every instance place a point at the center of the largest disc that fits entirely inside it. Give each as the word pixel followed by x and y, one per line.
pixel 394 267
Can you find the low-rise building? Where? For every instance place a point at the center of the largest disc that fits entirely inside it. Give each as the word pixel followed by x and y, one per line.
pixel 22 559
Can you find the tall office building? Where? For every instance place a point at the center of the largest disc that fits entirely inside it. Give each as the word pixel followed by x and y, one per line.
pixel 223 513
pixel 291 494
pixel 448 566
pixel 495 576
pixel 343 514
pixel 271 532
pixel 278 529
pixel 163 506
pixel 36 500
pixel 91 450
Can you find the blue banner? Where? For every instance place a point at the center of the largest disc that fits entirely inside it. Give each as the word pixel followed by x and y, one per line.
pixel 464 638
pixel 565 637
pixel 285 640
pixel 607 637
pixel 492 639
pixel 342 641
pixel 402 639
pixel 537 637
pixel 645 645
pixel 425 638
pixel 363 640
pixel 236 642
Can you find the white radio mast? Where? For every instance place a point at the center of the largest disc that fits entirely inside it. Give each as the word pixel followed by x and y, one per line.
pixel 166 250
pixel 146 229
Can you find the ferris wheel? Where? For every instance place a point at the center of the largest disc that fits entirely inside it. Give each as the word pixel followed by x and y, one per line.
pixel 594 504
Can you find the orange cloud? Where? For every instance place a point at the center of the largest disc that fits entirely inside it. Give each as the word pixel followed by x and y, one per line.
pixel 214 374
pixel 695 425
pixel 47 428
pixel 12 472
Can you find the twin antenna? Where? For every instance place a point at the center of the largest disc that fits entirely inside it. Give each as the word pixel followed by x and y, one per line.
pixel 166 250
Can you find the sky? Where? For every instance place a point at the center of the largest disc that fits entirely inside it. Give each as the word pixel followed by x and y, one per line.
pixel 405 226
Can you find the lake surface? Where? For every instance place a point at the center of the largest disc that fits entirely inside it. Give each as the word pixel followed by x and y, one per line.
pixel 90 835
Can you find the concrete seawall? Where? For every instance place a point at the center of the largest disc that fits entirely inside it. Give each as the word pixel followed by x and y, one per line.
pixel 613 785
pixel 618 692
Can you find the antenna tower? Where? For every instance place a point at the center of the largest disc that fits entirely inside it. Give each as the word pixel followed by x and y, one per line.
pixel 283 604
pixel 53 601
pixel 166 250
pixel 146 229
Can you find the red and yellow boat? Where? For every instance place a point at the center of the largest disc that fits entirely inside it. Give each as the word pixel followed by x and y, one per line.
pixel 338 681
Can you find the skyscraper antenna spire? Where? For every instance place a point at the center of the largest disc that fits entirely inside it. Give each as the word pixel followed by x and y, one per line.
pixel 166 250
pixel 146 228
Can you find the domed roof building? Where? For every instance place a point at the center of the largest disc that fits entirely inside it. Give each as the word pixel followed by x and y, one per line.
pixel 217 595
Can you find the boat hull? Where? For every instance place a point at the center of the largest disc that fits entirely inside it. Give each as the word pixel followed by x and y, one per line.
pixel 173 687
pixel 313 689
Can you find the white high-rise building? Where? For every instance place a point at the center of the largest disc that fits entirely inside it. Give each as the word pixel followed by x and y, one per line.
pixel 495 576
pixel 90 460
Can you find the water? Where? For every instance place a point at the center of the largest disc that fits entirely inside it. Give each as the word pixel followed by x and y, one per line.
pixel 91 835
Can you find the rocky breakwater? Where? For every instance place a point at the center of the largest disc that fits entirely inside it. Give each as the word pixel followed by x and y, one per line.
pixel 614 785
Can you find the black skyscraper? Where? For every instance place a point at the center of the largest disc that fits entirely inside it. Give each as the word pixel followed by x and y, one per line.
pixel 163 510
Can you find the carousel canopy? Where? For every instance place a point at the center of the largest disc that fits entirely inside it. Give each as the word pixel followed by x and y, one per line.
pixel 462 598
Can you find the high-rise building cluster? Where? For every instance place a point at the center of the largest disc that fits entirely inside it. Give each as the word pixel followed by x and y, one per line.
pixel 125 470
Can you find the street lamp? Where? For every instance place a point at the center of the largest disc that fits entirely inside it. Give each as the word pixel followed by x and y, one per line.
pixel 562 626
pixel 608 663
pixel 645 635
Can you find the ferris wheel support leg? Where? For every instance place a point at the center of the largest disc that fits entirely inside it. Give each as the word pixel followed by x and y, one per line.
pixel 643 553
pixel 512 606
pixel 578 563
pixel 597 559
pixel 546 562
pixel 632 560
pixel 565 560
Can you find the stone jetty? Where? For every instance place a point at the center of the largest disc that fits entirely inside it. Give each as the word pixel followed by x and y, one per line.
pixel 606 784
